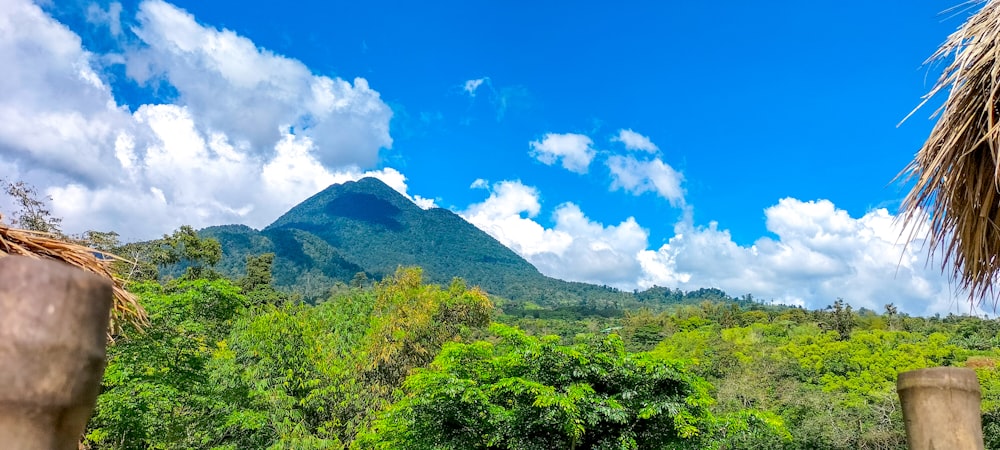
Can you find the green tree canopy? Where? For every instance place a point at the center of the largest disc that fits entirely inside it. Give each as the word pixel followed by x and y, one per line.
pixel 524 392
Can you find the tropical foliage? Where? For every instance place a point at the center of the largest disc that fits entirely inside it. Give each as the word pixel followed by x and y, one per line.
pixel 526 392
pixel 398 363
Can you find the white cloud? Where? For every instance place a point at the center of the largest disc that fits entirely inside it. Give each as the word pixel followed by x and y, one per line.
pixel 635 141
pixel 638 177
pixel 576 248
pixel 507 216
pixel 250 135
pixel 471 86
pixel 52 103
pixel 507 198
pixel 575 151
pixel 597 253
pixel 391 177
pixel 424 203
pixel 819 253
pixel 479 183
pixel 232 86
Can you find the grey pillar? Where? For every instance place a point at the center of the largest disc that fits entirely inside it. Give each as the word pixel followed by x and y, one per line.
pixel 941 408
pixel 53 325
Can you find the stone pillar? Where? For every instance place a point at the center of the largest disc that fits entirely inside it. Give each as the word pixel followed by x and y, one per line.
pixel 53 325
pixel 941 408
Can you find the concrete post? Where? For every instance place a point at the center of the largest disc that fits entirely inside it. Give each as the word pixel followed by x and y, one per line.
pixel 941 408
pixel 53 322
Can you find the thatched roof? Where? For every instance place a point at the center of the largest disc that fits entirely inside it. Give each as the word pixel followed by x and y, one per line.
pixel 957 171
pixel 126 308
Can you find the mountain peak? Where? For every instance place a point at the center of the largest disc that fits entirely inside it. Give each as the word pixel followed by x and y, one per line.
pixel 366 226
pixel 366 223
pixel 368 200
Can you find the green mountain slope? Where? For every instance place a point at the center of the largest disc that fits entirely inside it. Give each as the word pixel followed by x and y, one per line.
pixel 376 228
pixel 302 260
pixel 366 226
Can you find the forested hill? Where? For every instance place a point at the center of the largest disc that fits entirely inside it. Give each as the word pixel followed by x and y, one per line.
pixel 367 227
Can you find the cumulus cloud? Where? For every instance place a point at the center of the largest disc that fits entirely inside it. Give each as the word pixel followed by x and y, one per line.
pixel 249 93
pixel 250 133
pixel 819 253
pixel 508 214
pixel 423 202
pixel 638 177
pixel 597 253
pixel 574 151
pixel 55 111
pixel 575 248
pixel 635 141
pixel 391 177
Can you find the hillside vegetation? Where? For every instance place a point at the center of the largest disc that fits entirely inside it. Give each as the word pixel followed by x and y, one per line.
pixel 366 227
pixel 233 364
pixel 390 360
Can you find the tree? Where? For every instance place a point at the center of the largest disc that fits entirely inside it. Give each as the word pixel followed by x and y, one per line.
pixel 411 323
pixel 105 241
pixel 532 393
pixel 841 318
pixel 183 246
pixel 156 391
pixel 359 281
pixel 258 272
pixel 300 376
pixel 32 213
pixel 257 284
pixel 139 266
pixel 858 377
pixel 890 314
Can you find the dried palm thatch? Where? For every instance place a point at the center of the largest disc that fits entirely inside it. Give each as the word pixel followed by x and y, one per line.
pixel 126 308
pixel 957 171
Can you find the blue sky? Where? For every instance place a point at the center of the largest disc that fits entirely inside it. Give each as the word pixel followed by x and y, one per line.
pixel 752 103
pixel 738 145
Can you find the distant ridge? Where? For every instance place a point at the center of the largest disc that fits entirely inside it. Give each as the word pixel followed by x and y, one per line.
pixel 366 226
pixel 372 226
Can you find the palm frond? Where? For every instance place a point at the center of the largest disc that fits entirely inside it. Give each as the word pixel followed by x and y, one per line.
pixel 957 170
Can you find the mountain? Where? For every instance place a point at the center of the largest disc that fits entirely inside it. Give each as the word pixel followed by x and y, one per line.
pixel 373 226
pixel 366 226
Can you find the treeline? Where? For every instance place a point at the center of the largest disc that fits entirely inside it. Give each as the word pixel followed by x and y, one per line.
pixel 828 374
pixel 217 369
pixel 403 364
pixel 233 364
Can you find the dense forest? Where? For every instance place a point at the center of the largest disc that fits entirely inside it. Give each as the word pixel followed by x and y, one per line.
pixel 400 363
pixel 234 362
